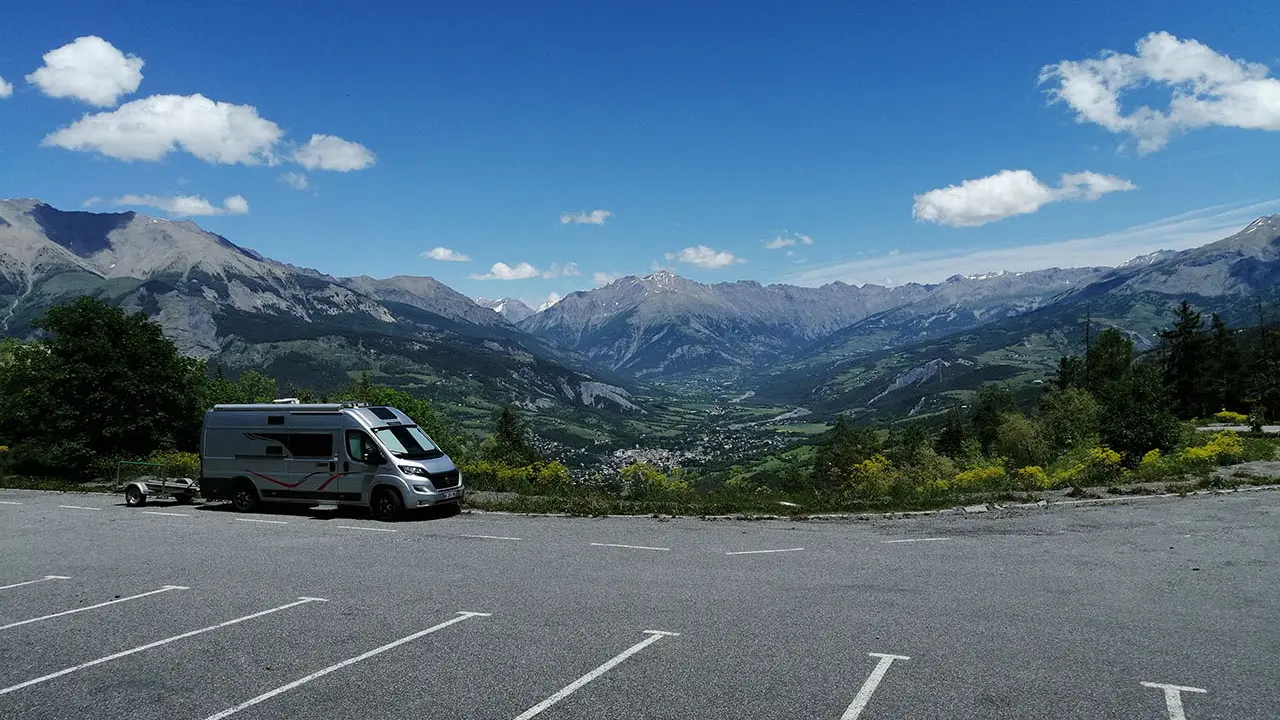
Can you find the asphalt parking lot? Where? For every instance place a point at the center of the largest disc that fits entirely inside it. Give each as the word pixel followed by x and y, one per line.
pixel 1166 608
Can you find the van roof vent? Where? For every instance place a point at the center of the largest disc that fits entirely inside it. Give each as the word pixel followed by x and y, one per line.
pixel 286 401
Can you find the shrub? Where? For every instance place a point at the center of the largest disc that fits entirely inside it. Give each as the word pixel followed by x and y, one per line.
pixel 177 464
pixel 644 481
pixel 1100 466
pixel 1225 448
pixel 1021 440
pixel 872 477
pixel 1230 418
pixel 1032 477
pixel 991 477
pixel 1069 417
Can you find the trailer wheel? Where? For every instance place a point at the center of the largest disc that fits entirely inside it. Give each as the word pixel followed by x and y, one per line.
pixel 185 499
pixel 134 497
pixel 245 497
pixel 386 505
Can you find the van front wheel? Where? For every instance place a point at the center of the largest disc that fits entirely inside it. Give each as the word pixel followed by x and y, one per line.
pixel 387 505
pixel 245 497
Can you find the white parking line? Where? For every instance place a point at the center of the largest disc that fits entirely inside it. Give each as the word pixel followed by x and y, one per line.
pixel 629 547
pixel 77 507
pixel 338 666
pixel 869 687
pixel 1173 698
pixel 158 643
pixel 907 540
pixel 268 522
pixel 164 589
pixel 762 552
pixel 46 578
pixel 166 514
pixel 654 636
pixel 370 529
pixel 9 502
pixel 490 537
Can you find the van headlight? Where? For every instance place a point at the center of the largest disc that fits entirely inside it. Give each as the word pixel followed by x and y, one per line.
pixel 413 470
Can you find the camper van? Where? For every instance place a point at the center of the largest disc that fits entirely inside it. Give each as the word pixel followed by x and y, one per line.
pixel 339 453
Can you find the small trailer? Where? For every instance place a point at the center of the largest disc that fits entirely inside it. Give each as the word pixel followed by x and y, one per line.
pixel 153 482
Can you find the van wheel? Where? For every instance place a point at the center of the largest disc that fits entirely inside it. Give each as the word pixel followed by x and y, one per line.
pixel 245 497
pixel 185 499
pixel 133 497
pixel 387 505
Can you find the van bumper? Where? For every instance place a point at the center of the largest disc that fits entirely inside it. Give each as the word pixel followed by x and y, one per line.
pixel 438 497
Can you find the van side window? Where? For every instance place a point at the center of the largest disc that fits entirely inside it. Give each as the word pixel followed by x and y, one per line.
pixel 315 445
pixel 275 419
pixel 357 442
pixel 307 445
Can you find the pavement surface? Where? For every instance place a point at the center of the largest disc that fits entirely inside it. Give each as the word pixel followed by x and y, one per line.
pixel 1144 608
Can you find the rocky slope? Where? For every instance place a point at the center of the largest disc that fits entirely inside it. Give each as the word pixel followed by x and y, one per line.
pixel 666 325
pixel 1231 276
pixel 232 306
pixel 510 308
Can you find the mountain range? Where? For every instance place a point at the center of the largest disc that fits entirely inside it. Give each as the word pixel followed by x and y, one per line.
pixel 887 351
pixel 238 309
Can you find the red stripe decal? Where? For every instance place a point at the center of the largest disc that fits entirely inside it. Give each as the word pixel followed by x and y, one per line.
pixel 294 485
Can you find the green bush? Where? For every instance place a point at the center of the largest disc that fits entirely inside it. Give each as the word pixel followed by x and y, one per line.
pixel 178 464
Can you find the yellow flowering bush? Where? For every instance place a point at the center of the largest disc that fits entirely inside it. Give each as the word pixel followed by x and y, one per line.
pixel 873 476
pixel 1225 448
pixel 979 478
pixel 1101 466
pixel 1233 418
pixel 1032 477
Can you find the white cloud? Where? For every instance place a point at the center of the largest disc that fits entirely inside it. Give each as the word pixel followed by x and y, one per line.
pixel 604 278
pixel 186 205
pixel 95 200
pixel 787 239
pixel 152 127
pixel 706 257
pixel 569 270
pixel 1179 232
pixel 1206 88
pixel 330 152
pixel 503 271
pixel 552 299
pixel 1008 193
pixel 595 217
pixel 445 254
pixel 6 88
pixel 89 69
pixel 524 271
pixel 295 180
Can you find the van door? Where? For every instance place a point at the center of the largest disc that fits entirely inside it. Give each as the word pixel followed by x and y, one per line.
pixel 312 466
pixel 357 475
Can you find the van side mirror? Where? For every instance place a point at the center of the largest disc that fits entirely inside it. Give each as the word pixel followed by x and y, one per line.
pixel 372 457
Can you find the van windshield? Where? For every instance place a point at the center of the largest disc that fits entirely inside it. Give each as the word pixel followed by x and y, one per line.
pixel 408 442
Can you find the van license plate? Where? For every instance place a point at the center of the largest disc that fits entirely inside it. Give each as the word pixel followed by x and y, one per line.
pixel 447 494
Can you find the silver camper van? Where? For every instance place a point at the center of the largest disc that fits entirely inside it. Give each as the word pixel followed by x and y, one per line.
pixel 339 453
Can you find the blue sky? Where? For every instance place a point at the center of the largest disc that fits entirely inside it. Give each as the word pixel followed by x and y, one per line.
pixel 704 130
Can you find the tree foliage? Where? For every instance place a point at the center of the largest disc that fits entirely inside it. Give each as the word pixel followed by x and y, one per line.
pixel 843 447
pixel 101 384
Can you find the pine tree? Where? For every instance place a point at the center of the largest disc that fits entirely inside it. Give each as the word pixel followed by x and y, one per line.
pixel 1186 362
pixel 1224 375
pixel 953 435
pixel 992 403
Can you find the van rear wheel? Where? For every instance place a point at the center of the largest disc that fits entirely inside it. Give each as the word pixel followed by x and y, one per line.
pixel 386 505
pixel 245 497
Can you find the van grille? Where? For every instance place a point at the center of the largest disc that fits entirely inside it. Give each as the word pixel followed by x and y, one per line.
pixel 446 480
